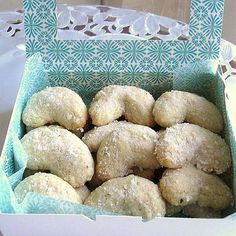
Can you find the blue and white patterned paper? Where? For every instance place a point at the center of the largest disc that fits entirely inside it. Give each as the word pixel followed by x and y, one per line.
pixel 94 63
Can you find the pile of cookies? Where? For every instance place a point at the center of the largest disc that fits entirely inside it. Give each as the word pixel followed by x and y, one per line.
pixel 127 153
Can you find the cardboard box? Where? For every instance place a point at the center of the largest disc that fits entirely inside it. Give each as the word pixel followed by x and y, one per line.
pixel 86 67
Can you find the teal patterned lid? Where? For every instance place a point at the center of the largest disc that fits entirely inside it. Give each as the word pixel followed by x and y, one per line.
pixel 61 57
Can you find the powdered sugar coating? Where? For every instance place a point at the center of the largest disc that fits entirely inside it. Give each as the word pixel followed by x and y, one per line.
pixel 48 185
pixel 131 195
pixel 114 101
pixel 58 150
pixel 176 107
pixel 187 143
pixel 124 149
pixel 55 104
pixel 94 137
pixel 188 185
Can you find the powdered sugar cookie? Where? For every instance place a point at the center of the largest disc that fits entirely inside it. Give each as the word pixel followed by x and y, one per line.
pixel 55 104
pixel 187 143
pixel 56 149
pixel 115 101
pixel 131 195
pixel 124 149
pixel 176 107
pixel 188 185
pixel 48 185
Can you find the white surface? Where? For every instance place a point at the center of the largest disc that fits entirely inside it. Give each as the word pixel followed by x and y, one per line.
pixel 12 62
pixel 61 225
pixel 80 20
pixel 136 23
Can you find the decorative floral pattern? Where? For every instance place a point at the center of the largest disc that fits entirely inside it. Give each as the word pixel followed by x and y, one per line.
pixel 83 51
pixel 108 52
pixel 108 75
pixel 185 52
pixel 133 51
pixel 83 73
pixel 214 5
pixel 58 74
pixel 212 26
pixel 159 74
pixel 172 64
pixel 96 63
pixel 133 74
pixel 209 50
pixel 120 64
pixel 199 40
pixel 201 13
pixel 57 50
pixel 32 25
pixel 51 25
pixel 205 29
pixel 160 51
pixel 70 63
pixel 30 5
pixel 146 64
pixel 43 38
pixel 34 46
pixel 43 11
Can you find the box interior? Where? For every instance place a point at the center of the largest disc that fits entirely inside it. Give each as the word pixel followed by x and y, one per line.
pixel 200 78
